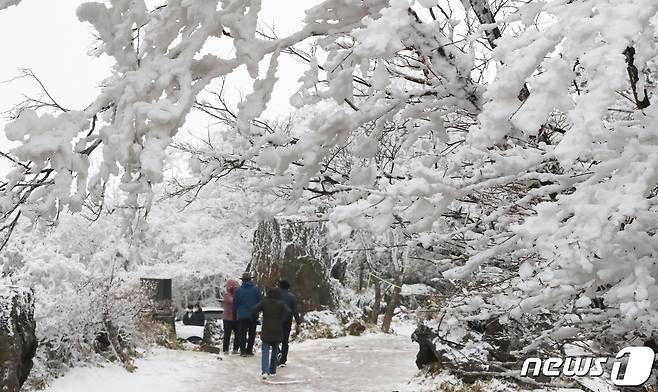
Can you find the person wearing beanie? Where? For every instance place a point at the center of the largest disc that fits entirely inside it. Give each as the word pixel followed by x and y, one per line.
pixel 289 299
pixel 274 311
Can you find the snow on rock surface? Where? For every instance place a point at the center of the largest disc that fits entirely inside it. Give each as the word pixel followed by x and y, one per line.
pixel 8 3
pixel 295 249
pixel 18 342
pixel 345 364
pixel 324 323
pixel 417 289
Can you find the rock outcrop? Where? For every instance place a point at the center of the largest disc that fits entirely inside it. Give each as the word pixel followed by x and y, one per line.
pixel 18 341
pixel 468 351
pixel 295 250
pixel 424 336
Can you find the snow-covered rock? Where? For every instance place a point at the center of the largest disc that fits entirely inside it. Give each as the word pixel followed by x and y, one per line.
pixel 18 341
pixel 294 249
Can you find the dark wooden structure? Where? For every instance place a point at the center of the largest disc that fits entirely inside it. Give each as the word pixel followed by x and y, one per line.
pixel 157 293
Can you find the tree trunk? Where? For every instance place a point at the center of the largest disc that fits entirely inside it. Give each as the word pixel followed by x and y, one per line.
pixel 361 269
pixel 377 304
pixel 118 348
pixel 390 308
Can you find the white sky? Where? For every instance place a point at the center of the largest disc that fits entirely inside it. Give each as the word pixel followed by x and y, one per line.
pixel 47 37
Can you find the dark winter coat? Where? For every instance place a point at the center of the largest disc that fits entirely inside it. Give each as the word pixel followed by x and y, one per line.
pixel 289 299
pixel 274 313
pixel 198 318
pixel 246 297
pixel 187 318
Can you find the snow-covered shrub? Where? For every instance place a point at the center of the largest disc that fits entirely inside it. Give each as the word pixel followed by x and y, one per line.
pixel 321 324
pixel 213 332
pixel 346 318
pixel 89 305
pixel 82 314
pixel 447 382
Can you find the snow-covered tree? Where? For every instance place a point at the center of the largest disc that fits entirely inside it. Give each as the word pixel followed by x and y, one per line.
pixel 535 181
pixel 516 139
pixel 86 273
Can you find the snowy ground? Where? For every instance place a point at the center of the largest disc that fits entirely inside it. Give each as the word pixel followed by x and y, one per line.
pixel 374 362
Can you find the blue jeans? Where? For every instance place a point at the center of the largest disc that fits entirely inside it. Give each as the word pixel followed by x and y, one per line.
pixel 268 364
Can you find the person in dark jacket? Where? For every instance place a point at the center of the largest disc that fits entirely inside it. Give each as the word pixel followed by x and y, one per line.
pixel 289 299
pixel 187 317
pixel 274 311
pixel 228 317
pixel 198 317
pixel 246 297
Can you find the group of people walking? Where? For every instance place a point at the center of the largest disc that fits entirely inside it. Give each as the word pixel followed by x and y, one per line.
pixel 243 304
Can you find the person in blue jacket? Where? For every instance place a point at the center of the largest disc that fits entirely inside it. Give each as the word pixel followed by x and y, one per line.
pixel 246 297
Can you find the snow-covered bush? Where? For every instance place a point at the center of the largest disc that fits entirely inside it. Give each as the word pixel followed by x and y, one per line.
pixel 346 319
pixel 321 324
pixel 446 382
pixel 89 306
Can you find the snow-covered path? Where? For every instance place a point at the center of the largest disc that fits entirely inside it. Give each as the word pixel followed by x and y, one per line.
pixel 374 362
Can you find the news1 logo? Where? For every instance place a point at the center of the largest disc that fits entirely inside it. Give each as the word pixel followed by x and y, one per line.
pixel 635 371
